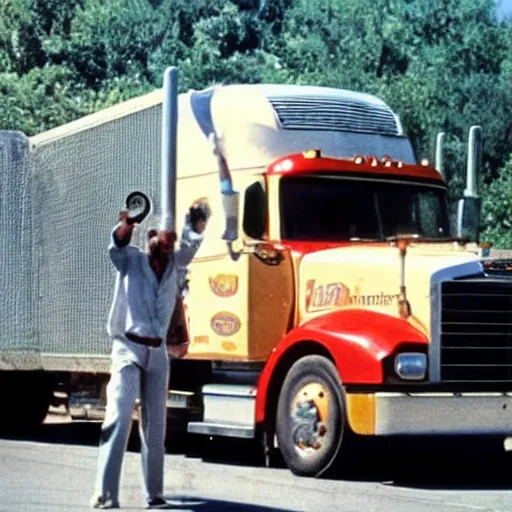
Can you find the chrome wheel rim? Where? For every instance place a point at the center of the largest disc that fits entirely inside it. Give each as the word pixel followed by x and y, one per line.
pixel 309 414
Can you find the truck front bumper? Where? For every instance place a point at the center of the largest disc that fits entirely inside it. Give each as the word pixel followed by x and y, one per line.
pixel 429 413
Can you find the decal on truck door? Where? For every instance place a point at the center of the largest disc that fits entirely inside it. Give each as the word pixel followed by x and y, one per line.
pixel 319 297
pixel 225 323
pixel 224 285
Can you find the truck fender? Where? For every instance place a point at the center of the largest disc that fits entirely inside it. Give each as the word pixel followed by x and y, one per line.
pixel 356 340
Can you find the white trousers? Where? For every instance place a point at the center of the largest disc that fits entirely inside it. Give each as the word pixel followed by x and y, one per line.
pixel 129 381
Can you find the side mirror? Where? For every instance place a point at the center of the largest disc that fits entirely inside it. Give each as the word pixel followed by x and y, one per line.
pixel 468 218
pixel 231 203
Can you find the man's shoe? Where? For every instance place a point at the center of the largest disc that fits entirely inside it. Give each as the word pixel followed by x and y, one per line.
pixel 160 503
pixel 104 503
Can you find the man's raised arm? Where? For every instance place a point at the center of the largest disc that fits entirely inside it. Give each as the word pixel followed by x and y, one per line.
pixel 121 236
pixel 193 233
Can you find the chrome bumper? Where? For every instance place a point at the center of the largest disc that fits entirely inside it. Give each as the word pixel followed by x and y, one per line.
pixel 443 413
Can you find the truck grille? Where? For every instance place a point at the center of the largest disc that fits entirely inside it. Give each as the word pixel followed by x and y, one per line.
pixel 476 331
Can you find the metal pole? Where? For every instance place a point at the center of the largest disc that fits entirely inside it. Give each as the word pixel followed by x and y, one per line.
pixel 439 153
pixel 474 161
pixel 169 145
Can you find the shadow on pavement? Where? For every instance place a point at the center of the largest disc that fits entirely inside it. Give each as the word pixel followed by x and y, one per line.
pixel 433 463
pixel 191 503
pixel 87 433
pixel 448 463
pixel 77 433
pixel 81 433
pixel 232 451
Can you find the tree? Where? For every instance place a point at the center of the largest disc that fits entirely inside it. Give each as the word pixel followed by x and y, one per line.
pixel 497 209
pixel 31 31
pixel 41 99
pixel 442 66
pixel 225 49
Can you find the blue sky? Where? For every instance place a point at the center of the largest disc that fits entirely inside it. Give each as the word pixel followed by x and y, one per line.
pixel 504 7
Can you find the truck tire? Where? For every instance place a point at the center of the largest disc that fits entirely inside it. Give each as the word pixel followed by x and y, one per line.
pixel 310 420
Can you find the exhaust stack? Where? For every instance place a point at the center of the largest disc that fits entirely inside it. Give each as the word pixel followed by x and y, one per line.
pixel 439 153
pixel 469 207
pixel 474 161
pixel 169 145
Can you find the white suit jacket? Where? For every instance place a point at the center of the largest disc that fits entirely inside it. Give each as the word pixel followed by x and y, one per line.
pixel 141 304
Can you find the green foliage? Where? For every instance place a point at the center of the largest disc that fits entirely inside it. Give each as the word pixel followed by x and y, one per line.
pixel 442 65
pixel 41 99
pixel 28 27
pixel 224 50
pixel 110 39
pixel 497 209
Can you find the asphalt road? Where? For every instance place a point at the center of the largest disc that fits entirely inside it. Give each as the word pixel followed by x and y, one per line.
pixel 54 471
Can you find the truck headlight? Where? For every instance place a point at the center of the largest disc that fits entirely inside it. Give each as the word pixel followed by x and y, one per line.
pixel 411 365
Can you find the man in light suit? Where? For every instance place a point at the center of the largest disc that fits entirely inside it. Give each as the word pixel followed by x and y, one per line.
pixel 144 300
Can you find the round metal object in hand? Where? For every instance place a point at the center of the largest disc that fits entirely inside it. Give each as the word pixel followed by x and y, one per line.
pixel 138 205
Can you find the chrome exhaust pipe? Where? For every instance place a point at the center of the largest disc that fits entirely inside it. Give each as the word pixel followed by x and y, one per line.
pixel 474 161
pixel 169 145
pixel 439 153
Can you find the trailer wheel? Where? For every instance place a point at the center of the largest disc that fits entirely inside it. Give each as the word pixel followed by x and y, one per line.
pixel 310 416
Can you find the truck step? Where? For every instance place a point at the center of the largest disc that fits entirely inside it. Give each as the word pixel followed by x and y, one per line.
pixel 219 429
pixel 229 404
pixel 228 410
pixel 179 399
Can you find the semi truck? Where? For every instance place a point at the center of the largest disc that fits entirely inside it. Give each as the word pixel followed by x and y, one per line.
pixel 344 302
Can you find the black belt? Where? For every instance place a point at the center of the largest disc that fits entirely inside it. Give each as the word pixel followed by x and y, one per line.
pixel 144 340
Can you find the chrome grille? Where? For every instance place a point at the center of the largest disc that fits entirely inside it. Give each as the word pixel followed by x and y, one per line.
pixel 476 331
pixel 334 114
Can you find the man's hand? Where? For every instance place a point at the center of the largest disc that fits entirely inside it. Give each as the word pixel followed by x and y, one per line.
pixel 199 213
pixel 177 351
pixel 123 216
pixel 124 231
pixel 216 144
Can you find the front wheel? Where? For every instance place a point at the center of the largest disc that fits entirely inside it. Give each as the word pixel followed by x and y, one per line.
pixel 310 419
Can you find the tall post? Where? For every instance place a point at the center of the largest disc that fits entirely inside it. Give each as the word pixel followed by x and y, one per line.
pixel 439 153
pixel 469 208
pixel 169 146
pixel 474 161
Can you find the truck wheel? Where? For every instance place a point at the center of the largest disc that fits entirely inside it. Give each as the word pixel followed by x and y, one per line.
pixel 310 416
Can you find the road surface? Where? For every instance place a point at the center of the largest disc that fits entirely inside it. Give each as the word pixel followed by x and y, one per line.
pixel 54 471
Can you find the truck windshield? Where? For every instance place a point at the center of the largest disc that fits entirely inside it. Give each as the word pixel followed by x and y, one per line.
pixel 333 208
